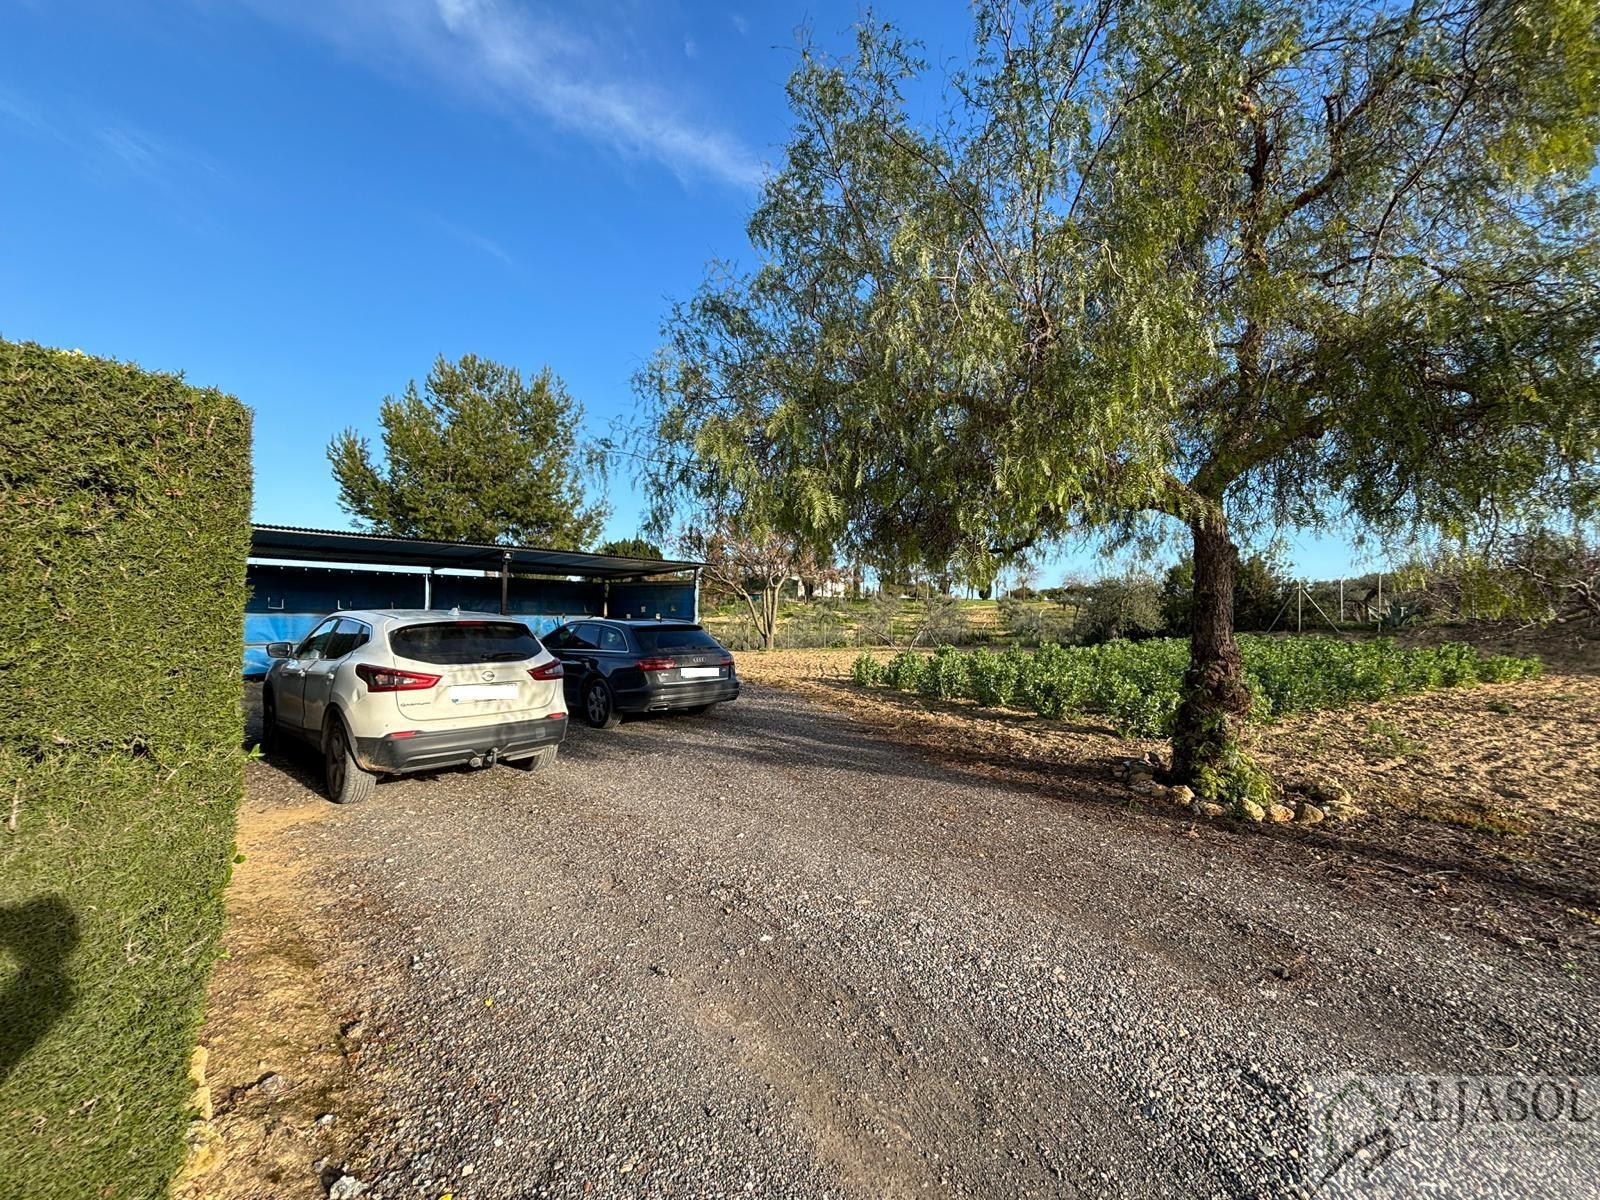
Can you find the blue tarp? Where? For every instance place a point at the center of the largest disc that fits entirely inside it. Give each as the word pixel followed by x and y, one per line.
pixel 261 628
pixel 287 602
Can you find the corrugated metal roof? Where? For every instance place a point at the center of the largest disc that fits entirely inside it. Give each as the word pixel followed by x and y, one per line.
pixel 376 549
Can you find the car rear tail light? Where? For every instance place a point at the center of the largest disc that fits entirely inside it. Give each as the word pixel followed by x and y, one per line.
pixel 560 716
pixel 392 679
pixel 549 670
pixel 657 664
pixel 726 659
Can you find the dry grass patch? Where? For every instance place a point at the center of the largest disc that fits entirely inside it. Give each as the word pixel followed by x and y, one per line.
pixel 277 1058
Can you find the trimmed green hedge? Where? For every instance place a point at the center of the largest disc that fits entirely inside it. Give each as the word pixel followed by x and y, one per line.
pixel 124 526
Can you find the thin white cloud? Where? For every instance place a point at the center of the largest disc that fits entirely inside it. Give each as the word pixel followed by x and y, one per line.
pixel 136 150
pixel 476 240
pixel 120 145
pixel 109 147
pixel 20 112
pixel 528 64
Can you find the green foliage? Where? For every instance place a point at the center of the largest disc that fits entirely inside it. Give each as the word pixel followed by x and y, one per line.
pixel 996 677
pixel 1332 254
pixel 1304 674
pixel 819 623
pixel 124 527
pixel 945 621
pixel 1030 624
pixel 1233 781
pixel 1238 265
pixel 478 455
pixel 630 548
pixel 876 626
pixel 1259 588
pixel 1137 684
pixel 736 635
pixel 946 676
pixel 1536 574
pixel 867 671
pixel 1121 606
pixel 906 671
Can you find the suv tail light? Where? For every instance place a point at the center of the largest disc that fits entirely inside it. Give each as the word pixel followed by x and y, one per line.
pixel 657 664
pixel 391 679
pixel 549 670
pixel 726 659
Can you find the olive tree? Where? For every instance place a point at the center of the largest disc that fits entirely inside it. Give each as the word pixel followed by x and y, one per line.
pixel 1156 266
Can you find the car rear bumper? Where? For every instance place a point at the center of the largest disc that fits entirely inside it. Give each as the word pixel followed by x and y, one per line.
pixel 428 749
pixel 663 697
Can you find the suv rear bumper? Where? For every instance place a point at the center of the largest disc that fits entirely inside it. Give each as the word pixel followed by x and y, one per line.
pixel 662 697
pixel 425 750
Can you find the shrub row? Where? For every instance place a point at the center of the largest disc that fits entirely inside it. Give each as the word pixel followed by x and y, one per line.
pixel 124 526
pixel 1136 684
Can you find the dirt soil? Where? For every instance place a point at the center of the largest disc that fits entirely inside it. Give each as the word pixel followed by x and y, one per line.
pixel 771 951
pixel 1485 801
pixel 278 1051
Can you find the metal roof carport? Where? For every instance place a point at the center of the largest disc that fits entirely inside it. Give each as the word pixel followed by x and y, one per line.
pixel 312 572
pixel 340 546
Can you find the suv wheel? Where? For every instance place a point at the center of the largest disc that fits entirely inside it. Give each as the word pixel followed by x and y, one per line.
pixel 347 783
pixel 598 709
pixel 538 760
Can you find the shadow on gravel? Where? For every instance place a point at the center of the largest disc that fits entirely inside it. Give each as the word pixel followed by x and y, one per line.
pixel 1523 891
pixel 299 763
pixel 1415 858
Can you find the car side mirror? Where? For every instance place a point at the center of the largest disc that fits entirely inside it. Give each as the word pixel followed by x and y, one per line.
pixel 280 649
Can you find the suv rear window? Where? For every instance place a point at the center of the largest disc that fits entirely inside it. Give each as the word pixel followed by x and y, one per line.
pixel 457 643
pixel 674 639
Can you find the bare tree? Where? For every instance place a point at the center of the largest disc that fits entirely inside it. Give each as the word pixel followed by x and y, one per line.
pixel 752 565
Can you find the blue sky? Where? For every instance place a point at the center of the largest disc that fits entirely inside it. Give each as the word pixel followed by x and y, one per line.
pixel 303 202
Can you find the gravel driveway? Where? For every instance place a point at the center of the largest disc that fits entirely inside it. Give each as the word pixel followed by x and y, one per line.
pixel 762 952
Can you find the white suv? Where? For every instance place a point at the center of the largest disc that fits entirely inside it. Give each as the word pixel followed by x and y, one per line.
pixel 396 690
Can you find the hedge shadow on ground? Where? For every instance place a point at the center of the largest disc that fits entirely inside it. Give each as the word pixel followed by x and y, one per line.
pixel 40 935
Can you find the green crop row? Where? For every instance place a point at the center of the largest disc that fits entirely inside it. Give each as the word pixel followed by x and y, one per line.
pixel 1137 684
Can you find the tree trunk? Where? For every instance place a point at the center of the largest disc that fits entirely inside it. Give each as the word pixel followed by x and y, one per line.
pixel 1215 698
pixel 769 613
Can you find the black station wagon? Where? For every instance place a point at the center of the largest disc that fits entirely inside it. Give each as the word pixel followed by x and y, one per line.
pixel 614 667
